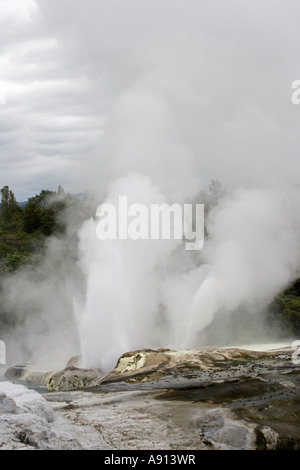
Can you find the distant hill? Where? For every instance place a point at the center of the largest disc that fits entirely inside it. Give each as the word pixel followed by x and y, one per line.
pixel 77 196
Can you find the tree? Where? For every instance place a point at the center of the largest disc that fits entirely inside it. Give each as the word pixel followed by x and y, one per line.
pixel 38 214
pixel 12 262
pixel 285 310
pixel 11 213
pixel 43 212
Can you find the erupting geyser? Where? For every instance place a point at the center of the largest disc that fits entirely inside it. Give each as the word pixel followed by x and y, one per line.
pixel 153 293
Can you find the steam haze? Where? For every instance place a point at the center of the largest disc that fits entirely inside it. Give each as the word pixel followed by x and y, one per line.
pixel 153 100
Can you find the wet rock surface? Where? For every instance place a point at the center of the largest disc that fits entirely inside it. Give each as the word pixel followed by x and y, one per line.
pixel 224 398
pixel 28 422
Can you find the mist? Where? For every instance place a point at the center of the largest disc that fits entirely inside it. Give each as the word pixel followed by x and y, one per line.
pixel 252 253
pixel 39 298
pixel 150 293
pixel 178 96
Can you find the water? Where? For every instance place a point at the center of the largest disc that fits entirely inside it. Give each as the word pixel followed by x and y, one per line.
pixel 264 346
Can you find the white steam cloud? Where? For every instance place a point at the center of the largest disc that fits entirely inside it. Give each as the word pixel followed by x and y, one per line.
pixel 252 253
pixel 153 294
pixel 188 92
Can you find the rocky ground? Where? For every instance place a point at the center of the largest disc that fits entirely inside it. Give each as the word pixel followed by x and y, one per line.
pixel 178 400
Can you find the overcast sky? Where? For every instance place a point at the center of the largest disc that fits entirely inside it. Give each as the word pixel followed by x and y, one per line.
pixel 86 83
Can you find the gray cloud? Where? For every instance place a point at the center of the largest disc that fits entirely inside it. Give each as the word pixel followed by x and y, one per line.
pixel 222 69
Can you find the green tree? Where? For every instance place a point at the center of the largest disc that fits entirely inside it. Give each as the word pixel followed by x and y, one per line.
pixel 11 212
pixel 44 213
pixel 285 310
pixel 39 214
pixel 12 262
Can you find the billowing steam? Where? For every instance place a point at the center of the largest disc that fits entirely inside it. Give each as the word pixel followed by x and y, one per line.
pixel 186 94
pixel 252 253
pixel 153 293
pixel 100 298
pixel 150 293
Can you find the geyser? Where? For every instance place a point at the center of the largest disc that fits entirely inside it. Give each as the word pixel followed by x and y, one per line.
pixel 122 306
pixel 152 293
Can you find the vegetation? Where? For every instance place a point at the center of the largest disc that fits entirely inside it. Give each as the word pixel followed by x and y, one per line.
pixel 285 310
pixel 23 231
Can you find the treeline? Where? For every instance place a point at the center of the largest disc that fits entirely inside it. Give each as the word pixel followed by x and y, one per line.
pixel 23 230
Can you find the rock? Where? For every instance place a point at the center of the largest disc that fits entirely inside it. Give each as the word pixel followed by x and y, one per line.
pixel 31 424
pixel 16 372
pixel 274 409
pixel 7 404
pixel 25 417
pixel 138 365
pixel 74 361
pixel 215 398
pixel 69 378
pixel 31 377
pixel 266 438
pixel 72 378
pixel 201 366
pixel 255 394
pixel 220 431
pixel 36 378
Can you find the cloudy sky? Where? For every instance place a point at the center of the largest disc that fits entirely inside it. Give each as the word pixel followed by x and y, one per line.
pixel 92 89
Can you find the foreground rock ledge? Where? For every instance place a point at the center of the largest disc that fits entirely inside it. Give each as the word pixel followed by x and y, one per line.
pixel 225 398
pixel 199 366
pixel 164 368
